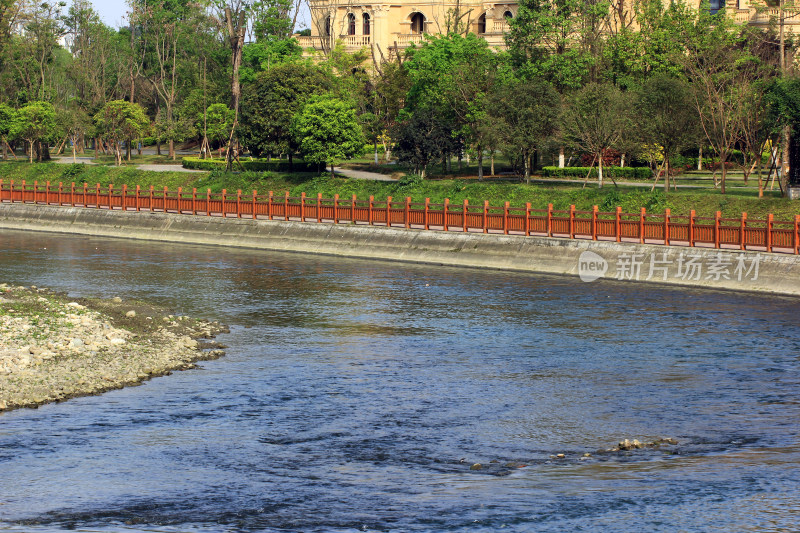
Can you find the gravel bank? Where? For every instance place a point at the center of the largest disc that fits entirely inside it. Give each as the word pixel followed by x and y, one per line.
pixel 53 348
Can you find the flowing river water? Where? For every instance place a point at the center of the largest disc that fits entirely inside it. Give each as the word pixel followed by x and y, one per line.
pixel 358 395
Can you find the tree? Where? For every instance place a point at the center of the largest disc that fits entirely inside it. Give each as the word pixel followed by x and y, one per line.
pixel 666 117
pixel 74 122
pixel 271 102
pixel 526 115
pixel 422 137
pixel 35 123
pixel 7 116
pixel 559 40
pixel 119 121
pixel 719 66
pixel 595 119
pixel 327 131
pixel 217 122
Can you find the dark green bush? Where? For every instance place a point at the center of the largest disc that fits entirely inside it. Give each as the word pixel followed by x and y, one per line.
pixel 259 165
pixel 642 173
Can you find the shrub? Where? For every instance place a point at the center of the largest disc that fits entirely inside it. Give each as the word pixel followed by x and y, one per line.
pixel 642 173
pixel 259 165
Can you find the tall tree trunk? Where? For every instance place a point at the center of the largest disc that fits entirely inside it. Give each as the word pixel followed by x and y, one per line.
pixel 723 156
pixel 480 164
pixel 526 164
pixel 600 170
pixel 492 164
pixel 700 159
pixel 236 39
pixel 561 157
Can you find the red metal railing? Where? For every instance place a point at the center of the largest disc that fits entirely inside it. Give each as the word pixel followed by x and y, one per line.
pixel 651 228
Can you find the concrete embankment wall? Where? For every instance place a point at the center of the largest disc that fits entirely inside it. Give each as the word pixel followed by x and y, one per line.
pixel 697 267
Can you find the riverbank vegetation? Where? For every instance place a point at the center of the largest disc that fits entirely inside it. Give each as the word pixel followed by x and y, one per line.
pixel 705 201
pixel 646 85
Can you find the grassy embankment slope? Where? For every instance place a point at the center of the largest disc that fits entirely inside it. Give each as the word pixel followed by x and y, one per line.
pixel 705 201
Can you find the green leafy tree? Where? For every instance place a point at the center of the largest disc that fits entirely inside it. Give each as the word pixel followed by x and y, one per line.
pixel 262 56
pixel 74 122
pixel 217 122
pixel 421 138
pixel 666 117
pixel 272 100
pixel 525 115
pixel 7 116
pixel 327 131
pixel 595 119
pixel 36 124
pixel 119 121
pixel 559 40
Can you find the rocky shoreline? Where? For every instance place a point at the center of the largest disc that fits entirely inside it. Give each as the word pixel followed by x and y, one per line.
pixel 53 348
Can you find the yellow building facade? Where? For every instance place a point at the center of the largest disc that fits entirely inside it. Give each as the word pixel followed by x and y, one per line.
pixel 387 28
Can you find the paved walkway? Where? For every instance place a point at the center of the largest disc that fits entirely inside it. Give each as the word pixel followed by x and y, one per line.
pixel 361 174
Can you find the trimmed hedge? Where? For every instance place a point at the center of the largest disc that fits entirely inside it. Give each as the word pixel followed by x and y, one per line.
pixel 641 173
pixel 259 165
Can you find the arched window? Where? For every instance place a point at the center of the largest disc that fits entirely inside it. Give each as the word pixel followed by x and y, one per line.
pixel 508 15
pixel 366 24
pixel 351 24
pixel 482 24
pixel 328 25
pixel 417 23
pixel 716 5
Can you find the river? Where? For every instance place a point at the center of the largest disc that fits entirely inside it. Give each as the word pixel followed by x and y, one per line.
pixel 361 396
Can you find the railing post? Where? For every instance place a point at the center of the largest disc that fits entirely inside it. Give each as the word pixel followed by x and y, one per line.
pixel 85 192
pixel 691 228
pixel 618 223
pixel 152 195
pixel 666 226
pixel 110 194
pixel 35 191
pixel 742 229
pixel 486 216
pixel 353 209
pixel 425 217
pixel 594 222
pixel 388 211
pixel 769 232
pixel 464 210
pixel 47 193
pixel 255 203
pixel 139 199
pixel 444 213
pixel 194 199
pixel 642 214
pixel 797 234
pixel 269 205
pixel 22 192
pixel 371 201
pixel 302 207
pixel 549 220
pixel 527 219
pixel 238 203
pixel 124 196
pixel 164 194
pixel 11 191
pixel 286 206
pixel 208 202
pixel 180 200
pixel 319 207
pixel 97 197
pixel 716 229
pixel 572 222
pixel 505 218
pixel 224 198
pixel 407 212
pixel 60 193
pixel 336 208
